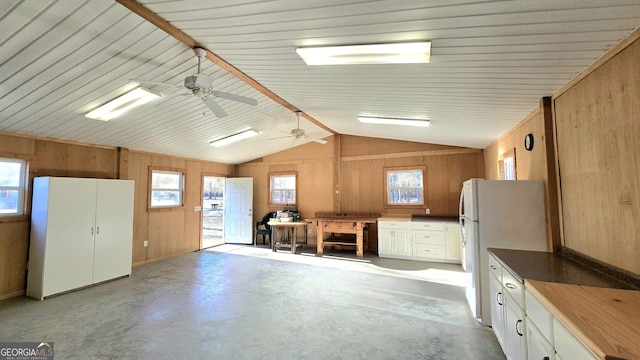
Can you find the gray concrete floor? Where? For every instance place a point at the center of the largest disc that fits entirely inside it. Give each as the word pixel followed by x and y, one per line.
pixel 250 303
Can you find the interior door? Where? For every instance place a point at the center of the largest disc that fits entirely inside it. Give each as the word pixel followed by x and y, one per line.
pixel 238 211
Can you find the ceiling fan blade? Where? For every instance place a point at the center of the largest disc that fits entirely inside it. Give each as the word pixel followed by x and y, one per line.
pixel 236 97
pixel 204 81
pixel 280 137
pixel 215 108
pixel 147 82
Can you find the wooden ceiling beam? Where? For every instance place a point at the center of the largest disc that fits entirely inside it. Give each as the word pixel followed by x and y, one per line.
pixel 190 42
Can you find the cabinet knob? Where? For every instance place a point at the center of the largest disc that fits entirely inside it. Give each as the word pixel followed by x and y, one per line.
pixel 545 358
pixel 510 286
pixel 492 267
pixel 498 295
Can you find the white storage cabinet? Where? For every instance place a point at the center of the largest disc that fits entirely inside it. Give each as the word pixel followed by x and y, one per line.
pixel 393 239
pixel 81 233
pixel 419 240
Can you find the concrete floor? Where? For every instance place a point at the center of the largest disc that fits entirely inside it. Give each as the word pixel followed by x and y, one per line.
pixel 250 303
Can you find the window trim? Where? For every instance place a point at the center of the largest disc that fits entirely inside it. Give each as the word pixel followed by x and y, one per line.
pixel 22 187
pixel 150 189
pixel 386 203
pixel 270 188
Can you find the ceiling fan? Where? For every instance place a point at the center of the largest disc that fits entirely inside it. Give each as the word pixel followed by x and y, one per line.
pixel 199 85
pixel 299 134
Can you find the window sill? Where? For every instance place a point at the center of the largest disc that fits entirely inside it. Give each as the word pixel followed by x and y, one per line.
pixel 14 218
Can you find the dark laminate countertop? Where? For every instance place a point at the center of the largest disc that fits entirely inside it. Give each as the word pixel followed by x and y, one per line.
pixel 434 218
pixel 557 268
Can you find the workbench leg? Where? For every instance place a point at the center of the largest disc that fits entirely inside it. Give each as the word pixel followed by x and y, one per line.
pixel 320 239
pixel 359 241
pixel 274 232
pixel 293 240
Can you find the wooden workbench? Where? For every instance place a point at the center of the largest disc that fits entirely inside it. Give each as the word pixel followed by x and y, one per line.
pixel 342 224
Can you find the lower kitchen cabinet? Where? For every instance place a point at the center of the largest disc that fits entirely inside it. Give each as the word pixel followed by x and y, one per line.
pixel 419 240
pixel 497 311
pixel 538 348
pixel 514 330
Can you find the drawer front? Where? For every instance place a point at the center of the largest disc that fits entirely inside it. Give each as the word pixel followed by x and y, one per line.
pixel 567 346
pixel 426 251
pixel 427 225
pixel 339 227
pixel 539 315
pixel 428 237
pixel 514 287
pixel 495 268
pixel 385 224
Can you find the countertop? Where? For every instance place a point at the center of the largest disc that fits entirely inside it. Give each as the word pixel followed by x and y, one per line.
pixel 598 307
pixel 410 217
pixel 555 267
pixel 605 320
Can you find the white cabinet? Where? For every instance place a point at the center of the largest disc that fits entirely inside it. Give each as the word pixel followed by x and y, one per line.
pixel 81 233
pixel 419 240
pixel 567 345
pixel 514 329
pixel 453 241
pixel 507 311
pixel 393 239
pixel 538 348
pixel 497 311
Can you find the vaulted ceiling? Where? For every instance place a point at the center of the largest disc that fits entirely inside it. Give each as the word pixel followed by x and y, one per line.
pixel 491 63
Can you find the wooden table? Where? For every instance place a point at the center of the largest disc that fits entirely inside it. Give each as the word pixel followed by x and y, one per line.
pixel 342 225
pixel 288 225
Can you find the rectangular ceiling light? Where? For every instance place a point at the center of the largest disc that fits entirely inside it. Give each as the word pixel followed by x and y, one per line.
pixel 394 121
pixel 122 104
pixel 233 138
pixel 396 53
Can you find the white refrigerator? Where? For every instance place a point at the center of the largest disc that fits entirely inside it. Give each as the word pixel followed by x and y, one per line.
pixel 507 214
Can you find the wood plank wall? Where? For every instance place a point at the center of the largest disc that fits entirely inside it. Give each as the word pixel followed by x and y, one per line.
pixel 169 233
pixel 597 121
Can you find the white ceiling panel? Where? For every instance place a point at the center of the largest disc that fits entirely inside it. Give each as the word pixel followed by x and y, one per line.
pixel 492 61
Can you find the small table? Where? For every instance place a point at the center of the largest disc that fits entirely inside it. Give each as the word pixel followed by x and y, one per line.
pixel 287 225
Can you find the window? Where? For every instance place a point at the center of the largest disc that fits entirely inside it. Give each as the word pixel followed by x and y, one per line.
pixel 166 188
pixel 404 186
pixel 282 189
pixel 12 186
pixel 507 165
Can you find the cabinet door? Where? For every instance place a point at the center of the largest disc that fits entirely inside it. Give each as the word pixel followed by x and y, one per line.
pixel 452 237
pixel 497 309
pixel 403 241
pixel 514 329
pixel 114 229
pixel 386 243
pixel 69 239
pixel 538 348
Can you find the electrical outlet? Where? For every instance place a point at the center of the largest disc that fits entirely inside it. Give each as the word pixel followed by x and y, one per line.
pixel 145 243
pixel 427 211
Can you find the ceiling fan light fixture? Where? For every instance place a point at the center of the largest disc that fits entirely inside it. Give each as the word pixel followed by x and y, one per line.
pixel 123 103
pixel 391 53
pixel 234 138
pixel 394 121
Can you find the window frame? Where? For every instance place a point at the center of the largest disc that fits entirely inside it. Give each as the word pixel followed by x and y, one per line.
pixel 387 170
pixel 21 188
pixel 282 174
pixel 151 189
pixel 502 169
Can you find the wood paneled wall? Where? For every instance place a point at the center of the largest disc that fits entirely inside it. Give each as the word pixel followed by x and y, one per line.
pixel 175 231
pixel 598 122
pixel 169 233
pixel 537 164
pixel 359 175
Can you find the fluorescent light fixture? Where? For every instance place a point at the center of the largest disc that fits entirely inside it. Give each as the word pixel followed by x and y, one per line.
pixel 122 104
pixel 394 121
pixel 233 138
pixel 396 53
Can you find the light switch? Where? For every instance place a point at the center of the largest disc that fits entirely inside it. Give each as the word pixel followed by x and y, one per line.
pixel 197 208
